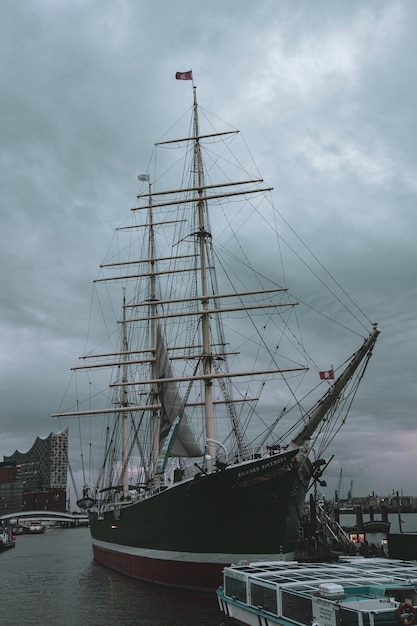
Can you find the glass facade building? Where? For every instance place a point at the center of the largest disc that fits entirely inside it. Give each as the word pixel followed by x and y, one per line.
pixel 37 479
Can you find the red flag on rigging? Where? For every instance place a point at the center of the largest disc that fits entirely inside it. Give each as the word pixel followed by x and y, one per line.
pixel 184 75
pixel 327 375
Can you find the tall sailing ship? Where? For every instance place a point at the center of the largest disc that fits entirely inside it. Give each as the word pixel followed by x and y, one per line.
pixel 193 475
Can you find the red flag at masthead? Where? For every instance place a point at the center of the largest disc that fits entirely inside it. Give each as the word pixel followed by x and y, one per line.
pixel 184 75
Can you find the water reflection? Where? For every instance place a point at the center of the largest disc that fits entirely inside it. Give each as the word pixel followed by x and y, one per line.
pixel 52 580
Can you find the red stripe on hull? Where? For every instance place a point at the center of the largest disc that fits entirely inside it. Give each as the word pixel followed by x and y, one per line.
pixel 187 575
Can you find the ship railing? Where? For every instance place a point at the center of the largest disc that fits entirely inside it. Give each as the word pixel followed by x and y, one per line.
pixel 259 452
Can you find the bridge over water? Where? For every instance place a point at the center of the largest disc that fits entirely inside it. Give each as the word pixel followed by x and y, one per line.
pixel 45 516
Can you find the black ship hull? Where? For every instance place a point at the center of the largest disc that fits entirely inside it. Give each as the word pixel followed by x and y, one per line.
pixel 185 535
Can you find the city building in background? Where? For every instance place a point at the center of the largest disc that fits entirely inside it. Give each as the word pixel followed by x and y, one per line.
pixel 36 480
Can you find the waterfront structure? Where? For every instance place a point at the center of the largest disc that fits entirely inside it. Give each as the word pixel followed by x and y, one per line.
pixel 36 480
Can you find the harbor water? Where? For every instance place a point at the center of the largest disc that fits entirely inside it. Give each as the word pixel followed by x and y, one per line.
pixel 52 580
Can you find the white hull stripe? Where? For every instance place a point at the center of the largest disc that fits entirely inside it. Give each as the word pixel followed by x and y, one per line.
pixel 197 557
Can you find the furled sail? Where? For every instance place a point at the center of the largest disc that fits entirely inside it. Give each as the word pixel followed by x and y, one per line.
pixel 185 443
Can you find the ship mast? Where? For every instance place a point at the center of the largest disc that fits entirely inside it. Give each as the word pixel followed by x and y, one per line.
pixel 203 235
pixel 153 318
pixel 124 403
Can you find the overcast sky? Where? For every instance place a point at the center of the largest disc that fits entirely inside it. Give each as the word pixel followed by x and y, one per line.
pixel 324 92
